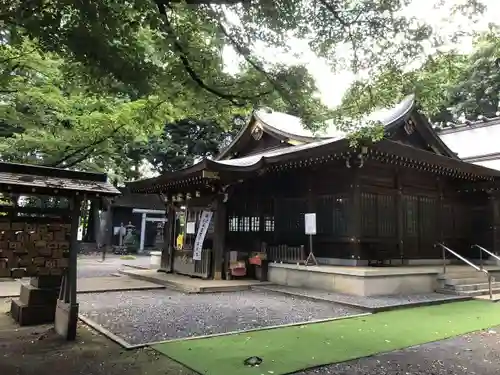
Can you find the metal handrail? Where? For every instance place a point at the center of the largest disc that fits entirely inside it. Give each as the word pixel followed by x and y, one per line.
pixel 468 262
pixel 487 252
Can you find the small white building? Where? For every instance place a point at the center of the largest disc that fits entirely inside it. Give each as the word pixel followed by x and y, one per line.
pixel 476 142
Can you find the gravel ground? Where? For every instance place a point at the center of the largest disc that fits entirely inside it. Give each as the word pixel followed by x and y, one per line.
pixel 474 354
pixel 30 350
pixel 91 266
pixel 148 316
pixel 363 302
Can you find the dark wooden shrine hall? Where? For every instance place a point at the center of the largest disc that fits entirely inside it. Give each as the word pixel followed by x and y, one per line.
pixel 388 201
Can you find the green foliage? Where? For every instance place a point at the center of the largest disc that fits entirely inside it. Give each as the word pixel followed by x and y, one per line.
pixel 103 84
pixel 177 45
pixel 181 144
pixel 448 85
pixel 52 114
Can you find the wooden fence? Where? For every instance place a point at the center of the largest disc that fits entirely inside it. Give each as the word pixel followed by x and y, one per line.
pixel 286 254
pixel 185 265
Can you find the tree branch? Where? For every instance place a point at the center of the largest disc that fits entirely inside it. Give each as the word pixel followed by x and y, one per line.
pixel 243 52
pixel 203 2
pixel 84 148
pixel 81 158
pixel 347 27
pixel 183 56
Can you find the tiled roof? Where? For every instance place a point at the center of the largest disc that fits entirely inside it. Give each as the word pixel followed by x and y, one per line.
pixel 32 176
pixel 144 201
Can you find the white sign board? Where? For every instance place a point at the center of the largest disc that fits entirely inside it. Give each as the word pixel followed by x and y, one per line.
pixel 310 223
pixel 206 217
pixel 190 227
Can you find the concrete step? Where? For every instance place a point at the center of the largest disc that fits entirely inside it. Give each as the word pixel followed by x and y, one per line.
pixel 467 280
pixel 476 292
pixel 476 286
pixel 461 275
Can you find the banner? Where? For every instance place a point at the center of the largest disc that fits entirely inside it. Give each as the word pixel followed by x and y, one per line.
pixel 206 217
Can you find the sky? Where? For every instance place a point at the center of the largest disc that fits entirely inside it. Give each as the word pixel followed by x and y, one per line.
pixel 333 85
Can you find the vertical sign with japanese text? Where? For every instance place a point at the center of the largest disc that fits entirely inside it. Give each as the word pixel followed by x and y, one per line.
pixel 206 217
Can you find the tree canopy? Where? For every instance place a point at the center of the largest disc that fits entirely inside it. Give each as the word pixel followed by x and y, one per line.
pixel 449 85
pixel 104 84
pixel 151 45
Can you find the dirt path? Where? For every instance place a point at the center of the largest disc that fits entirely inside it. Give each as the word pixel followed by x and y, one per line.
pixel 38 350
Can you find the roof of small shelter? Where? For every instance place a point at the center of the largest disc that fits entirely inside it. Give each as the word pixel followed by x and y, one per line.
pixel 331 145
pixel 39 179
pixel 134 200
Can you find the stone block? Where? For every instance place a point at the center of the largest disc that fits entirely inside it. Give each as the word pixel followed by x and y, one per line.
pixel 66 320
pixel 26 315
pixel 31 295
pixel 46 282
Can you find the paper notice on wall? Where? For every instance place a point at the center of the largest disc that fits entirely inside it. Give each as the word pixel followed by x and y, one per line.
pixel 191 227
pixel 205 219
pixel 310 223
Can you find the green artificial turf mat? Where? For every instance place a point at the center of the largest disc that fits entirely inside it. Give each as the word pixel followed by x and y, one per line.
pixel 290 349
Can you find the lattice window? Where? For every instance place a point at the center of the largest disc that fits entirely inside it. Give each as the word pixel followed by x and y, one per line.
pixel 255 223
pixel 411 215
pixel 244 224
pixel 340 215
pixel 325 210
pixel 428 220
pixel 386 215
pixel 290 215
pixel 369 214
pixel 447 220
pixel 269 224
pixel 233 224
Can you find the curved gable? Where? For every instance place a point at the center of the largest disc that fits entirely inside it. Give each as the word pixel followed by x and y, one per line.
pixel 268 129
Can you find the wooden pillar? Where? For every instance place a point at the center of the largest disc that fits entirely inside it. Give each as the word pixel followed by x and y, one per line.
pixel 399 215
pixel 73 250
pixel 167 253
pixel 66 316
pixel 355 229
pixel 219 241
pixel 310 209
pixel 495 222
pixel 109 234
pixel 440 212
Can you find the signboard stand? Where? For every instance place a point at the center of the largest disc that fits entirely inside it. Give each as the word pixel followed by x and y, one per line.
pixel 310 229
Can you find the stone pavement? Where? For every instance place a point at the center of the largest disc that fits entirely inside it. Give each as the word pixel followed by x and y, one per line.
pixel 188 284
pixel 88 285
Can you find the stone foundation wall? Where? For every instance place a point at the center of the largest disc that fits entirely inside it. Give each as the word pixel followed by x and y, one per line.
pixel 355 284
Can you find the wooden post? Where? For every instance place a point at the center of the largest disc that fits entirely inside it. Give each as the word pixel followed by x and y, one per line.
pixel 399 215
pixel 440 214
pixel 311 209
pixel 355 227
pixel 219 241
pixel 495 222
pixel 167 253
pixel 66 316
pixel 73 250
